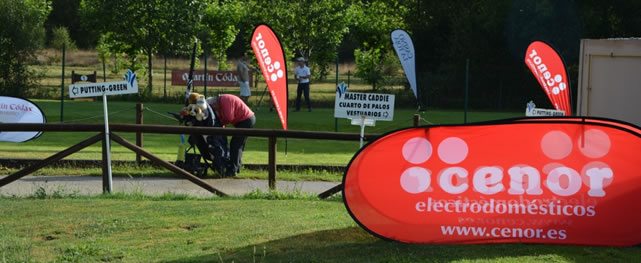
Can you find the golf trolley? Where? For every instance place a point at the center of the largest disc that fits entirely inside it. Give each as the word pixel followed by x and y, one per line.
pixel 203 151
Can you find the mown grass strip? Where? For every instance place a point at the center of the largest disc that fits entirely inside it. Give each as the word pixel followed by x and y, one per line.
pixel 129 228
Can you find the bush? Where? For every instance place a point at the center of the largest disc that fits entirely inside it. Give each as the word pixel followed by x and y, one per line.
pixel 60 38
pixel 376 67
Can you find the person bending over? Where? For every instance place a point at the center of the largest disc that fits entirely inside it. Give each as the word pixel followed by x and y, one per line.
pixel 230 109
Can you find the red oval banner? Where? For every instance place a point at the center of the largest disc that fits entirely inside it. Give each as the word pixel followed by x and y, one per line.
pixel 557 180
pixel 549 70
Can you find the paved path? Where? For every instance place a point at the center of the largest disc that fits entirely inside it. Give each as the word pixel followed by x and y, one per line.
pixel 92 185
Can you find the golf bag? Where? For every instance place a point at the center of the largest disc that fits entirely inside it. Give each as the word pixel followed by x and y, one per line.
pixel 212 150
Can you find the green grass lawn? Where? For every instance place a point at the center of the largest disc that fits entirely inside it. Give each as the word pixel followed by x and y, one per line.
pixel 168 229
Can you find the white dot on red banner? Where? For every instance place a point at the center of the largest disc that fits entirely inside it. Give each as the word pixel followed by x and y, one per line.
pixel 452 150
pixel 558 78
pixel 556 145
pixel 596 143
pixel 415 180
pixel 417 150
pixel 562 86
pixel 274 77
pixel 279 73
pixel 555 90
pixel 276 65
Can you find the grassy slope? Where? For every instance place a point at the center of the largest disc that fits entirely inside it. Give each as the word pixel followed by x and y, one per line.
pixel 236 230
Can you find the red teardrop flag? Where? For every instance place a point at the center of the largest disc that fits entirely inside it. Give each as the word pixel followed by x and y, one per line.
pixel 549 70
pixel 270 57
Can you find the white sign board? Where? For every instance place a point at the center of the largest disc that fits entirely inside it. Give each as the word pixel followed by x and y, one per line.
pixel 531 111
pixel 127 86
pixel 354 105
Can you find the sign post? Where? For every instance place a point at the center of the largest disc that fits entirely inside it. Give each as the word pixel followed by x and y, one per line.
pixel 109 185
pixel 363 121
pixel 127 86
pixel 364 109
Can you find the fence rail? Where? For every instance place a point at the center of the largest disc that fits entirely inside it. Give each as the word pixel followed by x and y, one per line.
pixel 172 129
pixel 271 134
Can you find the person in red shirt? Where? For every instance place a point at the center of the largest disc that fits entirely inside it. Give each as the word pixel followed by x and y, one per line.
pixel 230 109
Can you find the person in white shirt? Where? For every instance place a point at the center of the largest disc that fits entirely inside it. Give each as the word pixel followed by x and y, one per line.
pixel 303 75
pixel 243 78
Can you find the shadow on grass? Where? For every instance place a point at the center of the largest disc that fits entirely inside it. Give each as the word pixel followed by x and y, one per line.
pixel 355 245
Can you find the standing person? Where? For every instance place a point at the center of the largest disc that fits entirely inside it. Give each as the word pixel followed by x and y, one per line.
pixel 243 78
pixel 302 74
pixel 230 109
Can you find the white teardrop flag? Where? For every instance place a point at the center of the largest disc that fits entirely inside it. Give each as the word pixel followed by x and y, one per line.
pixel 405 51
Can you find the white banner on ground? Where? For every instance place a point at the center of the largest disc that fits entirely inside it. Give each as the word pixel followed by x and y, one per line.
pixel 532 111
pixel 405 51
pixel 17 110
pixel 354 105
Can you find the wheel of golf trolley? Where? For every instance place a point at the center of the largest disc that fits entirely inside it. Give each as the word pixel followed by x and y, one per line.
pixel 201 171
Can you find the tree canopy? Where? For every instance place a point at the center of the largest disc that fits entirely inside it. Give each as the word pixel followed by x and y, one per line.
pixel 144 27
pixel 21 34
pixel 491 34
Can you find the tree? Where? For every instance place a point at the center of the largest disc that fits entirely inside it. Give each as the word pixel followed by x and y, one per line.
pixel 144 27
pixel 60 38
pixel 610 19
pixel 64 13
pixel 374 66
pixel 312 29
pixel 373 21
pixel 21 34
pixel 219 29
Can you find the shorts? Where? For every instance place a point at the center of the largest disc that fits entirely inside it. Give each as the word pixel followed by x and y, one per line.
pixel 244 89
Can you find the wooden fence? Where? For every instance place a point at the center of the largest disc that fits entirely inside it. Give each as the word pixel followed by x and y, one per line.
pixel 271 134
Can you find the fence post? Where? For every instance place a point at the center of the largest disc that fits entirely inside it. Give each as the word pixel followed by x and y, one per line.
pixel 417 120
pixel 349 73
pixel 336 119
pixel 62 86
pixel 272 163
pixel 467 88
pixel 104 70
pixel 139 137
pixel 205 79
pixel 164 89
